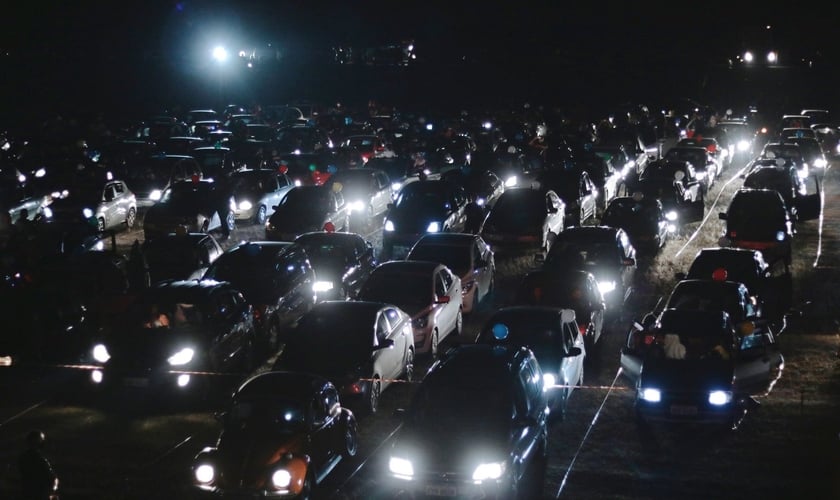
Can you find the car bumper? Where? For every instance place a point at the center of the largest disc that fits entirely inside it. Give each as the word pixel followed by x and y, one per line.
pixel 692 410
pixel 438 486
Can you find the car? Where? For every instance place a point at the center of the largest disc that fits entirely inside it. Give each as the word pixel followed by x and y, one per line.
pixel 555 339
pixel 468 256
pixel 817 115
pixel 576 189
pixel 759 219
pixel 148 178
pixel 787 151
pixel 677 186
pixel 483 188
pixel 715 148
pixel 277 281
pixel 216 162
pixel 179 255
pixel 768 174
pixel 741 136
pixel 170 332
pixel 300 138
pixel 477 425
pixel 190 203
pixel 772 285
pixel 421 207
pixel 573 289
pixel 362 347
pixel 604 251
pixel 745 310
pixel 282 434
pixel 644 219
pixel 342 262
pixel 711 379
pixel 110 203
pixel 367 146
pixel 368 192
pixel 305 209
pixel 705 166
pixel 524 221
pixel 257 192
pixel 20 200
pixel 510 165
pixel 813 152
pixel 428 291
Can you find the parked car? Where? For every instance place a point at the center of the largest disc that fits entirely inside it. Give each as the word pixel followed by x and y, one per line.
pixel 745 310
pixel 109 203
pixel 368 192
pixel 692 366
pixel 149 177
pixel 552 334
pixel 428 291
pixel 477 425
pixel 468 256
pixel 277 281
pixel 759 219
pixel 305 209
pixel 257 192
pixel 576 189
pixel 179 256
pixel 342 262
pixel 644 219
pixel 362 347
pixel 705 166
pixel 767 174
pixel 282 434
pixel 193 204
pixel 677 186
pixel 524 221
pixel 483 189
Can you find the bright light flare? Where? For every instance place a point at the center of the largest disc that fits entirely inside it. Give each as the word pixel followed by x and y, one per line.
pixel 220 54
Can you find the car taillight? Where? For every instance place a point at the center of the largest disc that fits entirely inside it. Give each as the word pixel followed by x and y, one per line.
pixel 259 313
pixel 649 339
pixel 355 388
pixel 583 327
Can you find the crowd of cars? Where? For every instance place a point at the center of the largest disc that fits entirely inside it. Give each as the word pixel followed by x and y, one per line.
pixel 343 320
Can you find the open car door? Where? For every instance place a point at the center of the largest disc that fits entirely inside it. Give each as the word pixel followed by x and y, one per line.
pixel 758 365
pixel 808 207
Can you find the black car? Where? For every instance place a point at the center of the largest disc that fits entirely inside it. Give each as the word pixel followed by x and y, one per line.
pixel 342 262
pixel 483 188
pixel 199 205
pixel 179 256
pixel 767 174
pixel 422 207
pixel 149 177
pixel 719 294
pixel 477 425
pixel 524 221
pixel 282 434
pixel 643 218
pixel 276 279
pixel 172 331
pixel 759 219
pixel 676 185
pixel 705 166
pixel 305 209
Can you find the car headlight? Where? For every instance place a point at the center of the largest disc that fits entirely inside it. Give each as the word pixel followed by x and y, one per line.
pixel 651 395
pixel 480 202
pixel 205 473
pixel 322 286
pixel 720 398
pixel 100 353
pixel 433 227
pixel 356 206
pixel 401 467
pixel 743 145
pixel 297 182
pixel 820 163
pixel 48 213
pixel 549 380
pixel 88 213
pixel 155 195
pixel 40 172
pixel 389 226
pixel 396 186
pixel 491 470
pixel 803 172
pixel 606 286
pixel 245 205
pixel 780 236
pixel 281 478
pixel 671 215
pixel 511 181
pixel 181 357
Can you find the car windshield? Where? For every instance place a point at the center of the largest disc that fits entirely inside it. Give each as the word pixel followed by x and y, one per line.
pixel 250 184
pixel 707 299
pixel 353 180
pixel 329 344
pixel 306 200
pixel 539 332
pixel 518 212
pixel 163 251
pixel 266 415
pixel 755 215
pixel 620 214
pixel 419 194
pixel 580 254
pixel 328 254
pixel 456 258
pixel 398 288
pixel 188 194
pixel 443 404
pixel 241 265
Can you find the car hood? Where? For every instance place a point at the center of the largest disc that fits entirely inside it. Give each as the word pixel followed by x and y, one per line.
pixel 165 210
pixel 417 218
pixel 687 374
pixel 453 447
pixel 246 458
pixel 299 222
pixel 151 347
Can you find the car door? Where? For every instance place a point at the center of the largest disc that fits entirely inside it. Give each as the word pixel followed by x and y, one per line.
pixel 109 205
pixel 528 405
pixel 556 213
pixel 387 356
pixel 227 342
pixel 480 266
pixel 459 210
pixel 382 192
pixel 587 194
pixel 323 426
pixel 571 366
pixel 443 287
pixel 758 363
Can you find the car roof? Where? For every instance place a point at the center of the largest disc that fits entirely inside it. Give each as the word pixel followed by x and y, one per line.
pixel 589 233
pixel 285 384
pixel 407 266
pixel 471 361
pixel 447 238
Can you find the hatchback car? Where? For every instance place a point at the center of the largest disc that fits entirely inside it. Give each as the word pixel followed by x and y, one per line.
pixel 193 204
pixel 553 335
pixel 428 291
pixel 477 426
pixel 766 174
pixel 282 434
pixel 257 192
pixel 368 191
pixel 759 219
pixel 342 262
pixel 109 203
pixel 149 178
pixel 468 256
pixel 524 221
pixel 705 165
pixel 362 347
pixel 305 209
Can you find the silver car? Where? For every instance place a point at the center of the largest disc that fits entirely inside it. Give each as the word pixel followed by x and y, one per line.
pixel 257 192
pixel 111 204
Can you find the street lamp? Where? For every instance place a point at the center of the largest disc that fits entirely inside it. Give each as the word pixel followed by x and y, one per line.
pixel 220 54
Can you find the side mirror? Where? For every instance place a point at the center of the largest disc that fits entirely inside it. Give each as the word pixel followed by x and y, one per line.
pixel 574 351
pixel 443 299
pixel 384 344
pixel 629 261
pixel 722 215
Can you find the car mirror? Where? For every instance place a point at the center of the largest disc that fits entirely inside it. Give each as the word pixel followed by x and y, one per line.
pixel 722 216
pixel 444 299
pixel 574 351
pixel 384 344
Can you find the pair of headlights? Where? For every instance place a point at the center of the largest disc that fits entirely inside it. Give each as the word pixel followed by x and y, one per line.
pixel 715 398
pixel 180 358
pixel 404 469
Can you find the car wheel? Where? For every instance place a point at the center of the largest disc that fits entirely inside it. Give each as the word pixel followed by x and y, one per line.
pixel 100 224
pixel 131 218
pixel 373 395
pixel 351 439
pixel 408 372
pixel 230 220
pixel 260 217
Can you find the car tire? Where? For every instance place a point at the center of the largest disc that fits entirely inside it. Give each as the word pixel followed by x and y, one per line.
pixel 230 220
pixel 374 393
pixel 131 218
pixel 351 439
pixel 261 215
pixel 408 372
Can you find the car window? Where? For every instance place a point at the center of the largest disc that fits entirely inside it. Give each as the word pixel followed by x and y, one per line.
pixel 520 393
pixel 570 334
pixel 446 279
pixel 382 328
pixel 119 187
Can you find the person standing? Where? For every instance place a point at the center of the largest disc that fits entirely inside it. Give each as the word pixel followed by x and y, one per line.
pixel 38 479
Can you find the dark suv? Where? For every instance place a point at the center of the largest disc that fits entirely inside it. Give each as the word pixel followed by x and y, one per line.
pixel 476 425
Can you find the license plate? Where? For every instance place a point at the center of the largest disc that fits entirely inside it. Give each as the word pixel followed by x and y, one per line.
pixel 136 382
pixel 441 490
pixel 683 410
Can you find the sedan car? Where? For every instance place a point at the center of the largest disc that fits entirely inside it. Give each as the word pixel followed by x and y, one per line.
pixel 305 209
pixel 705 166
pixel 173 330
pixel 148 178
pixel 468 256
pixel 362 347
pixel 282 434
pixel 342 262
pixel 191 203
pixel 179 256
pixel 644 219
pixel 677 186
pixel 421 207
pixel 759 219
pixel 368 191
pixel 476 427
pixel 555 339
pixel 524 221
pixel 257 192
pixel 692 366
pixel 719 294
pixel 428 291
